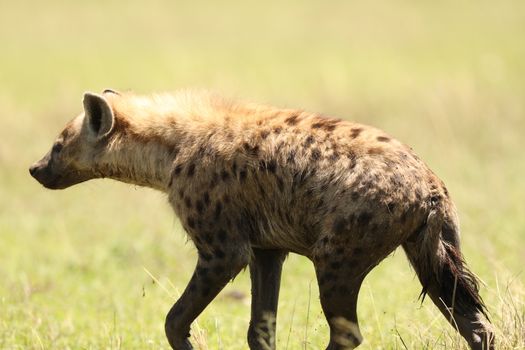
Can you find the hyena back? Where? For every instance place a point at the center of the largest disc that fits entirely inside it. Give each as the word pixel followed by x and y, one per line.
pixel 251 183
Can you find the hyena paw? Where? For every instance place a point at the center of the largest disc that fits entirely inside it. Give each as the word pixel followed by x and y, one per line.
pixel 182 344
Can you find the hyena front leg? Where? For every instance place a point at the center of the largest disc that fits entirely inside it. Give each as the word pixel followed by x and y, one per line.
pixel 265 273
pixel 215 268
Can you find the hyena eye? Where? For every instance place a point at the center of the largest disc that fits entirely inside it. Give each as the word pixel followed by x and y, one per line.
pixel 57 147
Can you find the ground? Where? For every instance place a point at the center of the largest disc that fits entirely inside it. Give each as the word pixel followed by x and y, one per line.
pixel 99 265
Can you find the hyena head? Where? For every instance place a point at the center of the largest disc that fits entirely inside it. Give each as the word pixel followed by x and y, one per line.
pixel 78 148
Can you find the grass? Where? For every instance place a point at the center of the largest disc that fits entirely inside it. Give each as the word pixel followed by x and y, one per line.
pixel 98 266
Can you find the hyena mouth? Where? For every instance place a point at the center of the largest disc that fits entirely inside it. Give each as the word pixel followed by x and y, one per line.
pixel 57 181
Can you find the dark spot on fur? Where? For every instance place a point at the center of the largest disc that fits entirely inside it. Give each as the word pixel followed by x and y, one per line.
pixel 324 240
pixel 222 235
pixel 181 193
pixel 315 155
pixel 242 175
pixel 309 141
pixel 327 125
pixel 364 218
pixel 391 206
pixel 334 156
pixel 177 170
pixel 277 130
pixel 383 139
pixel 206 198
pixel 291 157
pixel 271 166
pixel 199 206
pixel 264 134
pixel 218 210
pixel 251 150
pixel 214 180
pixel 355 132
pixel 187 202
pixel 234 168
pixel 224 175
pixel 191 170
pixel 208 238
pixel 339 226
pixel 292 120
pixel 375 150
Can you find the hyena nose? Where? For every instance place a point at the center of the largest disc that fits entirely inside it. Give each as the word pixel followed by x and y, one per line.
pixel 33 169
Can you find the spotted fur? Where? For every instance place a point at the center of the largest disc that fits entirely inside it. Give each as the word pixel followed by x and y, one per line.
pixel 251 183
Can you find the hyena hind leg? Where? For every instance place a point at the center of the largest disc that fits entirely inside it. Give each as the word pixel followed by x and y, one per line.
pixel 265 274
pixel 340 277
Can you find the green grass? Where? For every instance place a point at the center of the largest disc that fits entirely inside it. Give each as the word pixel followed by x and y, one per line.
pixel 98 266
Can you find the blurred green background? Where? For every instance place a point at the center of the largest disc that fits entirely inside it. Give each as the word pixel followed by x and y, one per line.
pixel 98 266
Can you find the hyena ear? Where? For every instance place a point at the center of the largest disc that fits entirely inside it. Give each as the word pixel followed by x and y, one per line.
pixel 111 91
pixel 99 115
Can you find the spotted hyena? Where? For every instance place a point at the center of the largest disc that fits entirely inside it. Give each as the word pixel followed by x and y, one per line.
pixel 251 183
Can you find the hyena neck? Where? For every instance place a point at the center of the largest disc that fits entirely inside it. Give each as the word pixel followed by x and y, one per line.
pixel 142 157
pixel 143 164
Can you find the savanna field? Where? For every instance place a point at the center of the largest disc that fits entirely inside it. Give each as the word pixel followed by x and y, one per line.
pixel 98 266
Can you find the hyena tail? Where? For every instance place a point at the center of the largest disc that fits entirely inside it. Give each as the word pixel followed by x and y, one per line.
pixel 434 253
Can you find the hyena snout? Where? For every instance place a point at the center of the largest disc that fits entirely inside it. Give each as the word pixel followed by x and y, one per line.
pixel 42 172
pixel 56 179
